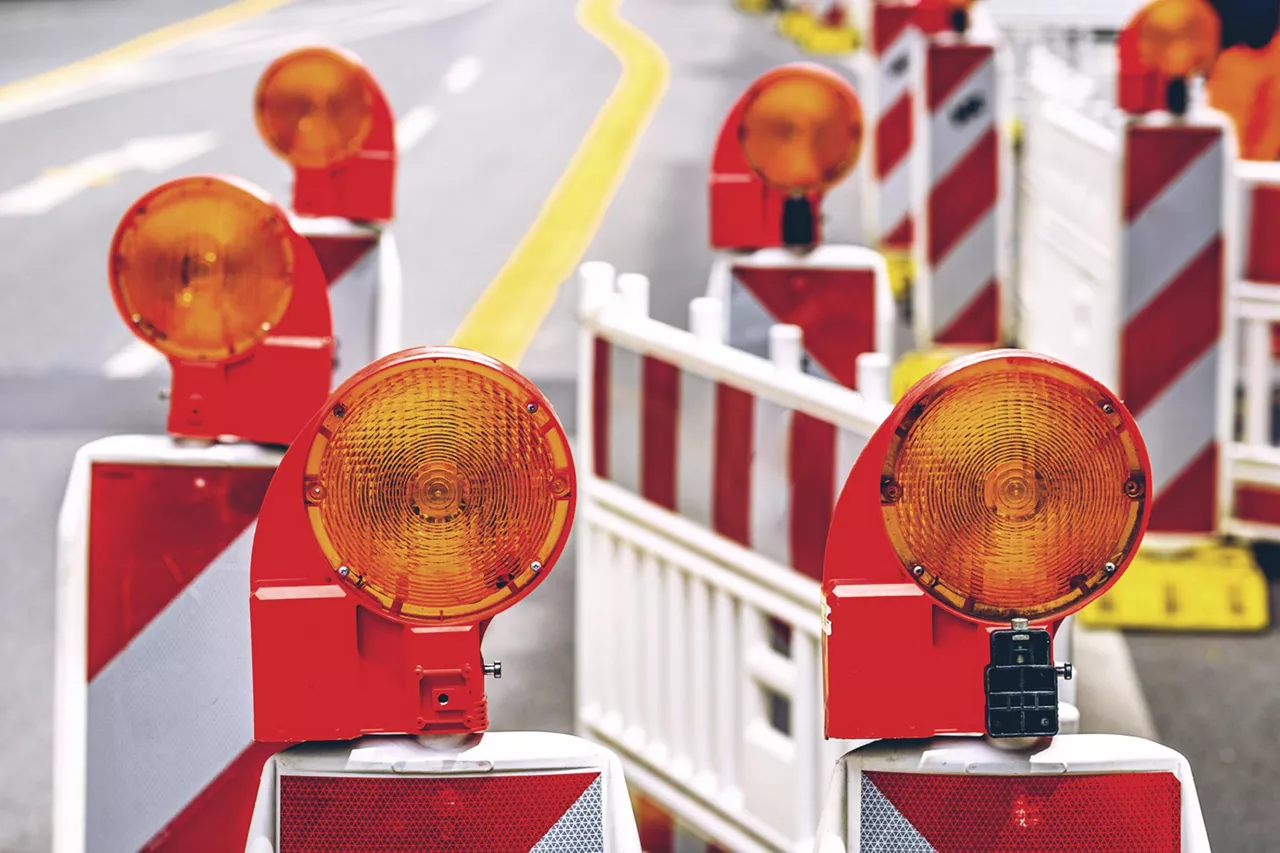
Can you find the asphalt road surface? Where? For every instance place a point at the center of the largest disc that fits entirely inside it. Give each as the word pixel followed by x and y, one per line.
pixel 506 89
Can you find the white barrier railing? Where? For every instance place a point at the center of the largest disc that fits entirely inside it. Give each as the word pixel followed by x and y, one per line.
pixel 704 673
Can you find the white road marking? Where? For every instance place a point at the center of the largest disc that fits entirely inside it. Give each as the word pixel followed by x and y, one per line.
pixel 462 75
pixel 250 43
pixel 134 361
pixel 154 154
pixel 413 127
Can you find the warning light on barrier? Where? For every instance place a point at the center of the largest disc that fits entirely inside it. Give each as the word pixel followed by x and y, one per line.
pixel 1005 491
pixel 795 133
pixel 202 268
pixel 322 110
pixel 209 271
pixel 801 130
pixel 315 106
pixel 433 490
pixel 1013 492
pixel 1178 38
pixel 448 515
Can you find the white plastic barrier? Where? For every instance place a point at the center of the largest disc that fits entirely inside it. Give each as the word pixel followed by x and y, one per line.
pixel 703 670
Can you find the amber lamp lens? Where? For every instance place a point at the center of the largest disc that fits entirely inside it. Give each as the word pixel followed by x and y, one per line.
pixel 1180 38
pixel 202 268
pixel 315 107
pixel 1014 488
pixel 441 486
pixel 802 131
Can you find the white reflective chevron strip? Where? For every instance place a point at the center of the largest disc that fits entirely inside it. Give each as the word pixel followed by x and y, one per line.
pixel 580 828
pixel 172 710
pixel 951 139
pixel 893 71
pixel 1174 228
pixel 695 451
pixel 770 489
pixel 882 829
pixel 960 276
pixel 625 389
pixel 895 198
pixel 848 446
pixel 1181 421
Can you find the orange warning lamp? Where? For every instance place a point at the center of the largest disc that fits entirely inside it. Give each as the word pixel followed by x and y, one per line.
pixel 1004 492
pixel 1165 43
pixel 794 134
pixel 208 271
pixel 432 491
pixel 320 109
pixel 1245 85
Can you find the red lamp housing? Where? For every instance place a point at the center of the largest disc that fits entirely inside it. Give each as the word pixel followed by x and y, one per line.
pixel 433 490
pixel 1004 486
pixel 322 110
pixel 208 271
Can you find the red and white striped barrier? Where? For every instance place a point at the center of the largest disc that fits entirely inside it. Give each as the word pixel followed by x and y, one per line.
pixel 362 265
pixel 959 247
pixel 1172 314
pixel 569 795
pixel 837 295
pixel 1084 793
pixel 886 75
pixel 703 520
pixel 747 467
pixel 1126 247
pixel 152 645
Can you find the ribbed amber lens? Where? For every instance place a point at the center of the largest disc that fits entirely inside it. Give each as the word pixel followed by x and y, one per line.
pixel 202 268
pixel 1179 37
pixel 441 486
pixel 1010 486
pixel 802 130
pixel 315 107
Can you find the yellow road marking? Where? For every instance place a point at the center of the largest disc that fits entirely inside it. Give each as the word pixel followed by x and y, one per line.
pixel 141 47
pixel 512 307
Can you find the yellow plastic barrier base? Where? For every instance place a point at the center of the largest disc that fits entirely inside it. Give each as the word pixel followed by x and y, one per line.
pixel 917 364
pixel 902 271
pixel 1209 587
pixel 830 41
pixel 754 7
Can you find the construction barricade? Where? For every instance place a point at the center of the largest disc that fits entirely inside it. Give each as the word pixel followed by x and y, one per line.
pixel 1128 232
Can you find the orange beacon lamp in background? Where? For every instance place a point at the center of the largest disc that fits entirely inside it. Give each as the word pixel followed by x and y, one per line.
pixel 794 134
pixel 434 490
pixel 320 109
pixel 1004 492
pixel 208 271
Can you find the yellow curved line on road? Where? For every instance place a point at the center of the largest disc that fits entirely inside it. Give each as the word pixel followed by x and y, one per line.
pixel 512 307
pixel 141 47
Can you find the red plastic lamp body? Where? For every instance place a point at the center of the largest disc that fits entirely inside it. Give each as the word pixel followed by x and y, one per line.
pixel 267 395
pixel 897 663
pixel 1140 89
pixel 746 213
pixel 327 664
pixel 360 187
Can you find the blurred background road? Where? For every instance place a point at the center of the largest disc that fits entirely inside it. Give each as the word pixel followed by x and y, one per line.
pixel 493 98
